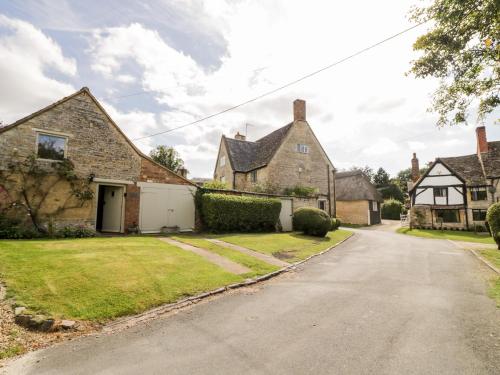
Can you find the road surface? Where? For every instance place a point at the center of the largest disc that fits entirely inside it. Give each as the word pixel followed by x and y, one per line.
pixel 381 303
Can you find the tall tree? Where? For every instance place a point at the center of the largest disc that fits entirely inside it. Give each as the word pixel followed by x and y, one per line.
pixel 381 178
pixel 461 50
pixel 368 172
pixel 168 157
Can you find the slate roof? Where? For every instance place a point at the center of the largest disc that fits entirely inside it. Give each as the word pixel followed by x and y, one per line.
pixel 246 156
pixel 355 186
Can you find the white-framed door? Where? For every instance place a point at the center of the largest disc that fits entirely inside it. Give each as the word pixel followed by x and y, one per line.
pixel 286 215
pixel 110 208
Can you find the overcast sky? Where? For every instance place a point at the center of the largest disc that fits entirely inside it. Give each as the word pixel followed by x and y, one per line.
pixel 193 58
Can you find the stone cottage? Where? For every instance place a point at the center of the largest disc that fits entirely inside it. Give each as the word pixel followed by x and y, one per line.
pixel 130 190
pixel 357 199
pixel 455 192
pixel 289 157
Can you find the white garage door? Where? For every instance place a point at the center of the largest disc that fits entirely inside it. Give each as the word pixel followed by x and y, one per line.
pixel 165 205
pixel 286 215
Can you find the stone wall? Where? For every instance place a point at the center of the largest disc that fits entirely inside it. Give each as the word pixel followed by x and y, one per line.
pixel 353 212
pixel 224 171
pixel 426 218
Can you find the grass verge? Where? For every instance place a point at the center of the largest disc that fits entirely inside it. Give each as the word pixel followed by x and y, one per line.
pixel 448 235
pixel 290 247
pixel 493 256
pixel 103 278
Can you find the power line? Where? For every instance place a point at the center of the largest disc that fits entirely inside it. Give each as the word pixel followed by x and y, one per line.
pixel 270 92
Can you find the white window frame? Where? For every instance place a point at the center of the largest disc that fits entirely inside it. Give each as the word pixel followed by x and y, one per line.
pixel 374 206
pixel 222 161
pixel 303 149
pixel 51 134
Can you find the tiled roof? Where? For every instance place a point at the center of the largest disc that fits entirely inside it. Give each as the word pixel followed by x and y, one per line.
pixel 354 186
pixel 491 159
pixel 468 167
pixel 246 156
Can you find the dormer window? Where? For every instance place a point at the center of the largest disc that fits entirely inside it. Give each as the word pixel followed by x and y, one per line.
pixel 51 147
pixel 303 149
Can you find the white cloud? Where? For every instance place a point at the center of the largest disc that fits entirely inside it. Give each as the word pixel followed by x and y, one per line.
pixel 382 146
pixel 26 53
pixel 416 146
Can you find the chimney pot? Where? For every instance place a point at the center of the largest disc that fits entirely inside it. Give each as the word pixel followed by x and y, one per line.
pixel 415 168
pixel 240 137
pixel 482 142
pixel 299 110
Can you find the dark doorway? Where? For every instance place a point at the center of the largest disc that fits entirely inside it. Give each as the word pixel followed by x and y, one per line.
pixel 100 208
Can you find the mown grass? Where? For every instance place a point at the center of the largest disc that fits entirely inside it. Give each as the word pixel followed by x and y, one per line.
pixel 290 247
pixel 493 256
pixel 103 278
pixel 448 235
pixel 257 266
pixel 11 351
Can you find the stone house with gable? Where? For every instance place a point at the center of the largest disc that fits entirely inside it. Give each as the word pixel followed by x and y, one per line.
pixel 455 192
pixel 130 189
pixel 288 157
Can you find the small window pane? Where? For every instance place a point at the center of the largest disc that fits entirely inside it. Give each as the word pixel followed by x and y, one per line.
pixel 479 215
pixel 440 192
pixel 448 216
pixel 51 147
pixel 322 205
pixel 478 194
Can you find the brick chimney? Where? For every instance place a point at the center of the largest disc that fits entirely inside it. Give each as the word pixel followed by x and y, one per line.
pixel 299 110
pixel 415 168
pixel 482 143
pixel 183 172
pixel 240 137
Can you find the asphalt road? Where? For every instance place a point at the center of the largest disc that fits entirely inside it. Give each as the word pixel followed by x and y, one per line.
pixel 381 303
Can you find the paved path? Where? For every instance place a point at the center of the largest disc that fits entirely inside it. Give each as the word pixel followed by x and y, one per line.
pixel 225 263
pixel 263 257
pixel 380 303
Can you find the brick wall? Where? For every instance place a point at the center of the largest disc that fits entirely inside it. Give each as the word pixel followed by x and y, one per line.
pixel 353 212
pixel 152 172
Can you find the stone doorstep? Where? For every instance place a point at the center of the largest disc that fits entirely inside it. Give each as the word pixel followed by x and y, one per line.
pixel 220 261
pixel 263 257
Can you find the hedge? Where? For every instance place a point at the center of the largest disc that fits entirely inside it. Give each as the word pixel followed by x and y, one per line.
pixel 231 213
pixel 392 209
pixel 312 221
pixel 335 223
pixel 493 221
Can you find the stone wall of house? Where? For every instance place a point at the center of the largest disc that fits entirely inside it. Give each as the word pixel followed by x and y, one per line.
pixel 424 217
pixel 224 171
pixel 353 212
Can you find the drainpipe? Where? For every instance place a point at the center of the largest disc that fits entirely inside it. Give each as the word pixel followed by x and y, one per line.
pixel 334 194
pixel 329 192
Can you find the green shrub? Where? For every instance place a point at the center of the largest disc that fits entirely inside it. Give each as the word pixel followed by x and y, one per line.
pixel 335 223
pixel 392 209
pixel 230 213
pixel 300 191
pixel 215 184
pixel 13 228
pixel 77 231
pixel 312 221
pixel 493 219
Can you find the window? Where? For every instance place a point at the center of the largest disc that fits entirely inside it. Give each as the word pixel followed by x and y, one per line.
pixel 375 206
pixel 448 216
pixel 51 147
pixel 441 192
pixel 222 161
pixel 322 204
pixel 303 149
pixel 478 194
pixel 253 176
pixel 479 215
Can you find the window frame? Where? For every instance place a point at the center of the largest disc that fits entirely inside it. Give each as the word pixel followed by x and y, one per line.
pixel 374 206
pixel 322 201
pixel 51 134
pixel 302 148
pixel 440 189
pixel 478 211
pixel 253 176
pixel 474 193
pixel 458 221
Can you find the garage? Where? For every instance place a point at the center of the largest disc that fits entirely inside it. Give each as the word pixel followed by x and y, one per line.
pixel 166 205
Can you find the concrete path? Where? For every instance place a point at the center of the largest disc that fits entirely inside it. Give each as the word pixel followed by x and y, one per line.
pixel 380 303
pixel 263 257
pixel 225 263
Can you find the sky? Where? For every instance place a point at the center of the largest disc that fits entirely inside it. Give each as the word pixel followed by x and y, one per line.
pixel 159 64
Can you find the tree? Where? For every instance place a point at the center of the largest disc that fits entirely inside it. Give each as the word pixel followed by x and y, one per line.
pixel 367 171
pixel 462 51
pixel 28 186
pixel 168 157
pixel 404 176
pixel 392 191
pixel 381 178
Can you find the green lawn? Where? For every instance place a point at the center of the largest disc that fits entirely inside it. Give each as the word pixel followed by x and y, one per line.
pixel 448 235
pixel 290 247
pixel 102 278
pixel 493 256
pixel 257 266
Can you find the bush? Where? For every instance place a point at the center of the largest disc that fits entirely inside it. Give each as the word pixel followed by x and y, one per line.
pixel 12 228
pixel 312 221
pixel 216 185
pixel 300 191
pixel 493 219
pixel 335 223
pixel 392 209
pixel 230 213
pixel 75 232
